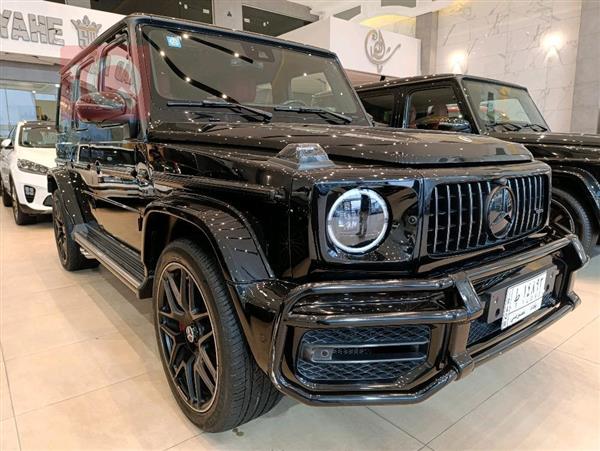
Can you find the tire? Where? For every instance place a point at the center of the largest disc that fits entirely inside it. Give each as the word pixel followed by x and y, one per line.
pixel 21 218
pixel 6 198
pixel 69 253
pixel 569 215
pixel 201 341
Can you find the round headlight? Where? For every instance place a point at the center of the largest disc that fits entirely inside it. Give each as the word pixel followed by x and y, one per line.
pixel 357 221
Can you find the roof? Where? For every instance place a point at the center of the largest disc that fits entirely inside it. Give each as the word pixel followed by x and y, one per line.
pixel 190 25
pixel 431 78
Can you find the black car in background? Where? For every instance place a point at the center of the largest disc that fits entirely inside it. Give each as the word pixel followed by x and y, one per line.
pixel 288 246
pixel 478 105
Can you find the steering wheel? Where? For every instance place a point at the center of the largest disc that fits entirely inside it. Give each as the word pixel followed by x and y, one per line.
pixel 294 102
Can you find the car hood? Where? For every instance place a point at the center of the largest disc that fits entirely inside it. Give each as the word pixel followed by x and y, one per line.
pixel 374 145
pixel 42 155
pixel 562 139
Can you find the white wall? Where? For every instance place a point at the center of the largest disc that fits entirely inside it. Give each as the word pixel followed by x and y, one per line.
pixel 508 40
pixel 400 54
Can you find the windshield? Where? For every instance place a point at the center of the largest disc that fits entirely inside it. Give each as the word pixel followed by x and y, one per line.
pixel 38 136
pixel 504 108
pixel 191 68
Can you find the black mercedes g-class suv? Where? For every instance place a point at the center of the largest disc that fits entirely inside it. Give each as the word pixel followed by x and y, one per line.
pixel 469 104
pixel 289 246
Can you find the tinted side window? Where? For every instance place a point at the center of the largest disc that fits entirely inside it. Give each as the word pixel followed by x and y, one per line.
pixel 117 74
pixel 88 78
pixel 66 102
pixel 427 108
pixel 380 106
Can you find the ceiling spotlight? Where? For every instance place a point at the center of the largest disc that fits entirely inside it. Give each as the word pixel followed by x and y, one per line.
pixel 552 43
pixel 458 62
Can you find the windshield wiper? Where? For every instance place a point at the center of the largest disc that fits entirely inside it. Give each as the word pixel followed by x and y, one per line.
pixel 508 126
pixel 218 104
pixel 535 127
pixel 314 110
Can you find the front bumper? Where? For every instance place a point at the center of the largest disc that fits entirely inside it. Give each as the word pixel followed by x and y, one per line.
pixel 40 201
pixel 452 350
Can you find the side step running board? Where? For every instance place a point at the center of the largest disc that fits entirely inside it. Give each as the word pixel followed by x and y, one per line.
pixel 122 261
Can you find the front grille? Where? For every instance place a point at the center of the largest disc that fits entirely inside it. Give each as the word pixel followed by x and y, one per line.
pixel 457 213
pixel 362 354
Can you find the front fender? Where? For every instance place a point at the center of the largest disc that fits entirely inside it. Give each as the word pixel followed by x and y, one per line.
pixel 585 180
pixel 238 251
pixel 60 179
pixel 226 230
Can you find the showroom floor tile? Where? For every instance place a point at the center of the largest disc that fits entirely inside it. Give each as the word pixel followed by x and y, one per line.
pixel 79 371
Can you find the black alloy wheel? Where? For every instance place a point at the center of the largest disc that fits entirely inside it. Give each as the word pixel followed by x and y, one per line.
pixel 69 251
pixel 187 337
pixel 570 215
pixel 561 218
pixel 206 358
pixel 60 230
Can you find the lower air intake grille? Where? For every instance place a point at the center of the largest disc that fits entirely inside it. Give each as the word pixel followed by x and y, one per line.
pixel 458 218
pixel 367 354
pixel 354 372
pixel 481 330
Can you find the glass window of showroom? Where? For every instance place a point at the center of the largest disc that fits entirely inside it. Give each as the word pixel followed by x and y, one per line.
pixel 25 101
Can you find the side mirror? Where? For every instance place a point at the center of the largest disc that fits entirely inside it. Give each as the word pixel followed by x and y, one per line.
pixel 454 124
pixel 102 107
pixel 6 143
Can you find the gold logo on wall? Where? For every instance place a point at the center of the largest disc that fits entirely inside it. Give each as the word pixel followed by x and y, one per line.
pixel 376 49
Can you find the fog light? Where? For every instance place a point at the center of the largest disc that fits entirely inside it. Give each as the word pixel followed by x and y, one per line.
pixel 29 193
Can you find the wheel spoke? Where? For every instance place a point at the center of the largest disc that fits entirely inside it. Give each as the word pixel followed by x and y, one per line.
pixel 564 228
pixel 189 377
pixel 208 363
pixel 200 369
pixel 199 316
pixel 186 293
pixel 204 337
pixel 169 315
pixel 172 294
pixel 174 344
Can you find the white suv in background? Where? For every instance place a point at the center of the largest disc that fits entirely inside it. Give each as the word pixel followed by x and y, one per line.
pixel 25 157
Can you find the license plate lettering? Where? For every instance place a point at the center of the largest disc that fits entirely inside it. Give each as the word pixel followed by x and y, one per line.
pixel 523 299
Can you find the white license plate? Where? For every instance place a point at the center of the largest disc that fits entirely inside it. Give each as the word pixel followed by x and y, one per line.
pixel 523 299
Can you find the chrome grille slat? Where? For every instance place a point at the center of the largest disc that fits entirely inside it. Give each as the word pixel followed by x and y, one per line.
pixel 437 212
pixel 480 214
pixel 514 184
pixel 449 216
pixel 459 198
pixel 470 214
pixel 522 211
pixel 466 201
pixel 529 204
